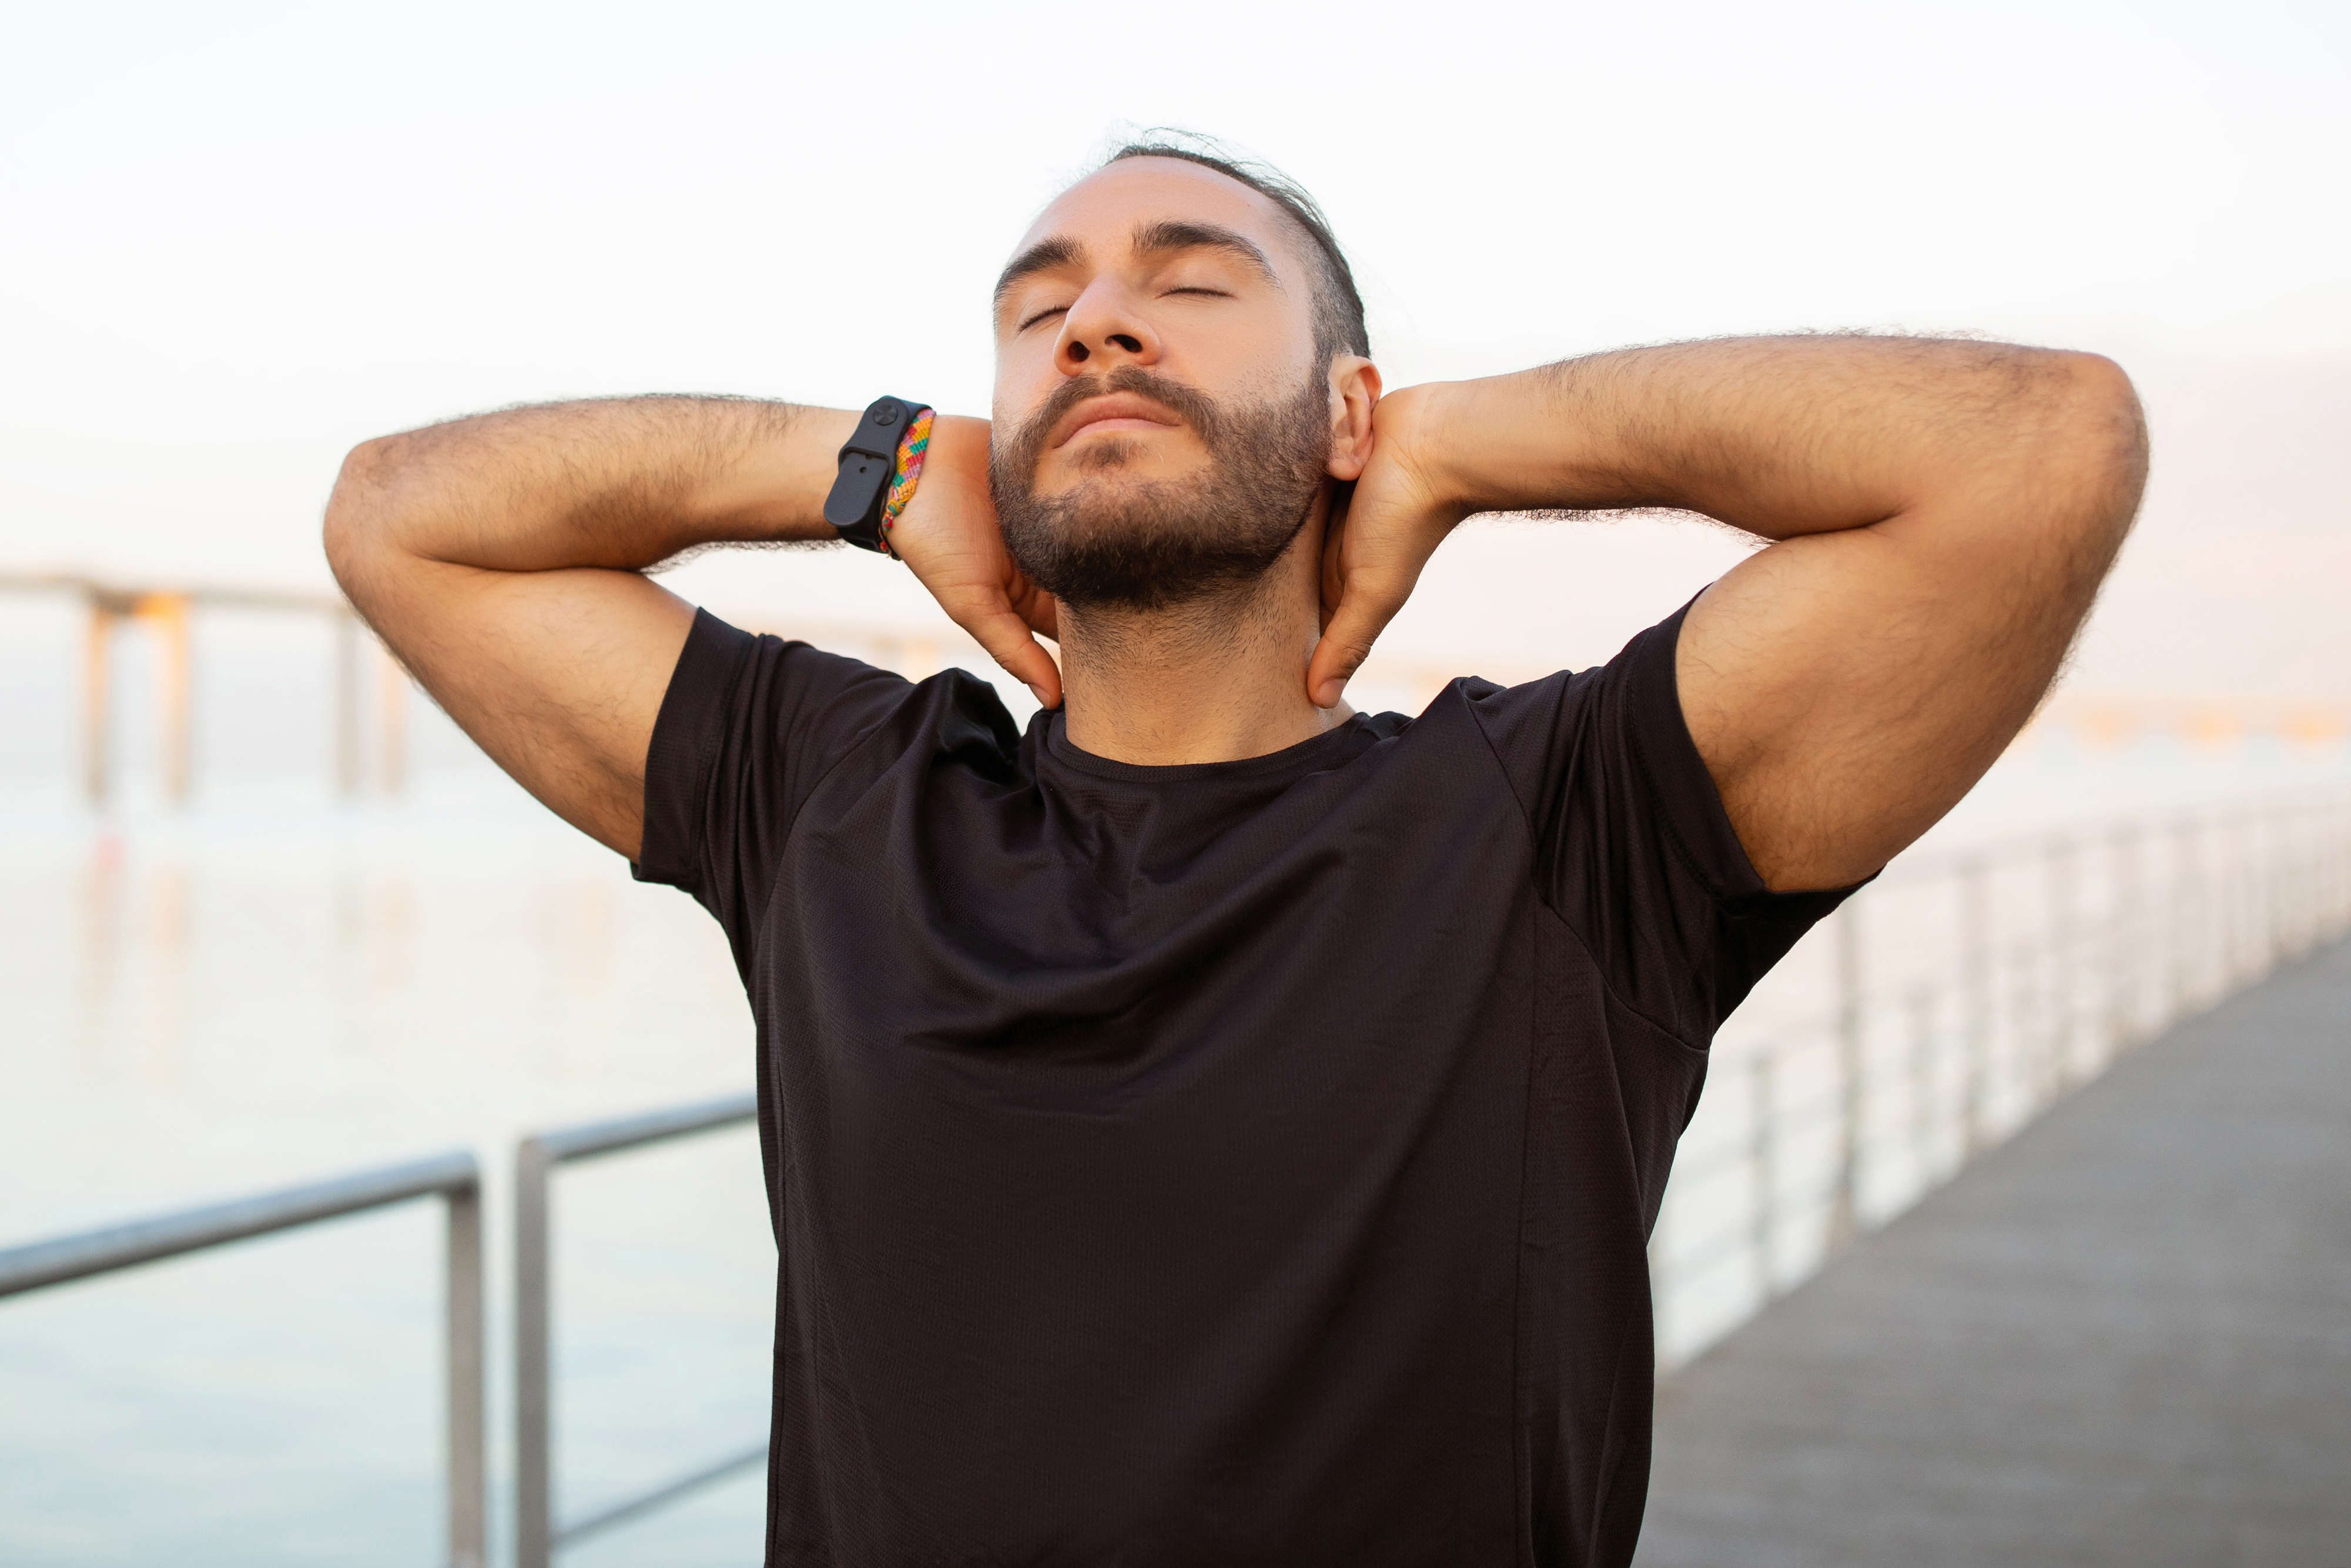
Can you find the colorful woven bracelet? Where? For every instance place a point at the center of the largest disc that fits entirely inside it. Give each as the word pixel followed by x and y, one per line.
pixel 907 473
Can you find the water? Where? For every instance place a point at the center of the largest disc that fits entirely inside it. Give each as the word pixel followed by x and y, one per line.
pixel 270 987
pixel 246 999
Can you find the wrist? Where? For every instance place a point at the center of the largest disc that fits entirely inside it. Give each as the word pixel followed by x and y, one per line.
pixel 1501 444
pixel 1511 446
pixel 1426 432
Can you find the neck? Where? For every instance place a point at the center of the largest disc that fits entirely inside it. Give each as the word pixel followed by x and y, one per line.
pixel 1212 681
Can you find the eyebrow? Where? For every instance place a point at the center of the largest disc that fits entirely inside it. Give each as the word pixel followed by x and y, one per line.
pixel 1161 238
pixel 1174 234
pixel 1042 256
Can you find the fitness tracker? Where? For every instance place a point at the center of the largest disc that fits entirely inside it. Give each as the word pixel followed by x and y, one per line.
pixel 867 459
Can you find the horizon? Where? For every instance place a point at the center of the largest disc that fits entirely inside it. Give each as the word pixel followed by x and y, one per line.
pixel 262 234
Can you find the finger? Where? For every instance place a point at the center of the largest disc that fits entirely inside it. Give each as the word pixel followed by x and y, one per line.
pixel 1367 602
pixel 1010 644
pixel 1334 578
pixel 1041 610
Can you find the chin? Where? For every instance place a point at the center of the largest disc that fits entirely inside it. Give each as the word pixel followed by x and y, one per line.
pixel 1127 455
pixel 1118 500
pixel 1106 454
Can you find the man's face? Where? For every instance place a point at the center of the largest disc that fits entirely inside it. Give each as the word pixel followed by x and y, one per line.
pixel 1162 420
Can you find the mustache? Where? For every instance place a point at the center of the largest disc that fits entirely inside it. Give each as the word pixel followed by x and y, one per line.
pixel 1188 403
pixel 1153 545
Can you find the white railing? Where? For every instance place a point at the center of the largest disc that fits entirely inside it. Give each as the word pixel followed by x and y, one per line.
pixel 1970 993
pixel 539 1534
pixel 454 1177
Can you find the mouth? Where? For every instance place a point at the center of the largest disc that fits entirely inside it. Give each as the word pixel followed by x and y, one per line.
pixel 1112 412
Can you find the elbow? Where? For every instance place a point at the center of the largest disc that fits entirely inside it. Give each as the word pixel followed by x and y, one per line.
pixel 356 515
pixel 2102 417
pixel 2097 434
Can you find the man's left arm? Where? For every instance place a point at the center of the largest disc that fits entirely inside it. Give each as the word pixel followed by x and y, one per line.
pixel 1943 513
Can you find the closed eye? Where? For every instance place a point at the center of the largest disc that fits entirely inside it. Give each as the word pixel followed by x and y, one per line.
pixel 1187 289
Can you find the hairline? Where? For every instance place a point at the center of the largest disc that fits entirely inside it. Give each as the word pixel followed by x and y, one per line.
pixel 1338 304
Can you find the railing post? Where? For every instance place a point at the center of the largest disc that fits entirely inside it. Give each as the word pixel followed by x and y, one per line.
pixel 2182 906
pixel 534 1423
pixel 1845 1205
pixel 2123 915
pixel 538 1534
pixel 2276 877
pixel 1761 1107
pixel 2236 875
pixel 2322 872
pixel 2310 908
pixel 2064 974
pixel 2327 866
pixel 469 1526
pixel 2318 898
pixel 2306 862
pixel 2310 878
pixel 2339 872
pixel 1975 942
pixel 1922 1070
pixel 2025 1074
pixel 454 1177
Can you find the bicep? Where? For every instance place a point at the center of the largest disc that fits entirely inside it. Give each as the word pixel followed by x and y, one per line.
pixel 559 675
pixel 1845 689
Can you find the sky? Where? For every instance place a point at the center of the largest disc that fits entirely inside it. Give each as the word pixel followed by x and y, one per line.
pixel 241 238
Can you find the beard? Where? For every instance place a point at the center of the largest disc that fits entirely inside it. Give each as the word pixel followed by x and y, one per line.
pixel 1158 543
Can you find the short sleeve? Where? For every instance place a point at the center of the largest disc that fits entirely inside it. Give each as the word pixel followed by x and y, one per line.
pixel 747 728
pixel 1633 848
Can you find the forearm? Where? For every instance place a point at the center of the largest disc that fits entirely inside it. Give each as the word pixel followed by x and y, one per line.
pixel 1783 436
pixel 500 556
pixel 621 483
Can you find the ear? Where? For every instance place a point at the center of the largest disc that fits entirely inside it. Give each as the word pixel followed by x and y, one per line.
pixel 1354 388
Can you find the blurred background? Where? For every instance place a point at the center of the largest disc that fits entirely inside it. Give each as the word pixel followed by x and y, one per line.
pixel 267 917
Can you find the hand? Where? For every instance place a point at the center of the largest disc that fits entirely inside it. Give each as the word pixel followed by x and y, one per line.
pixel 1376 543
pixel 949 538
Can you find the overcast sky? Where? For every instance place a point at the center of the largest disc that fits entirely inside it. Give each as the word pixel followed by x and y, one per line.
pixel 238 240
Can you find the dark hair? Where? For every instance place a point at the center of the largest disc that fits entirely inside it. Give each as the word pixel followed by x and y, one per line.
pixel 1338 307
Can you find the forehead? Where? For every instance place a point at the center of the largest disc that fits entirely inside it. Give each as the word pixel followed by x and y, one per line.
pixel 1102 211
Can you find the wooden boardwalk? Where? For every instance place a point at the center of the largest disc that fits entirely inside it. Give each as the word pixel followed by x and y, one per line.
pixel 2123 1338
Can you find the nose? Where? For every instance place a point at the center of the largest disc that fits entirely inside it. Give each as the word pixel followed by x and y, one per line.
pixel 1102 330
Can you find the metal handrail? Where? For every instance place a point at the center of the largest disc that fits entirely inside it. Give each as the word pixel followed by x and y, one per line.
pixel 538 1537
pixel 2016 1020
pixel 454 1177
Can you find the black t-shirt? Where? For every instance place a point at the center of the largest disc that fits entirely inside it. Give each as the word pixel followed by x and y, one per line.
pixel 1245 1163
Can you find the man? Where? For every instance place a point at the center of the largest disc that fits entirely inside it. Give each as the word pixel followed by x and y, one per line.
pixel 1217 1126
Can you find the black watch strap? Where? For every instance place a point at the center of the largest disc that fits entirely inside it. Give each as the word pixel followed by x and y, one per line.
pixel 867 457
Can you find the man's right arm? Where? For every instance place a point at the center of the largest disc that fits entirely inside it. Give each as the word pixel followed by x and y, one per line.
pixel 502 557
